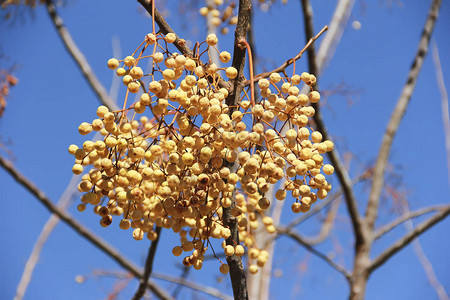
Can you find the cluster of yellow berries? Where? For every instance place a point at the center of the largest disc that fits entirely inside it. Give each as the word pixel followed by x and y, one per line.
pixel 222 14
pixel 195 155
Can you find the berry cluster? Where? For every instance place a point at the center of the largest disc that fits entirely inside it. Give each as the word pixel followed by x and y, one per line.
pixel 195 155
pixel 222 14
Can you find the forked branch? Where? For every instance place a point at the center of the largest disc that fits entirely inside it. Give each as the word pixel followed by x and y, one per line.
pixel 408 238
pixel 79 228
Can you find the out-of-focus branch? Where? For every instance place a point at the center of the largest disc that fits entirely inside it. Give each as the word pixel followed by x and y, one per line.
pixel 444 102
pixel 408 238
pixel 397 115
pixel 405 217
pixel 184 275
pixel 63 204
pixel 334 34
pixel 296 237
pixel 143 282
pixel 193 285
pixel 78 57
pixel 288 62
pixel 79 228
pixel 423 259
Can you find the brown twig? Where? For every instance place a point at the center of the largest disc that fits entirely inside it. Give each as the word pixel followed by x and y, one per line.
pixel 78 57
pixel 408 238
pixel 288 62
pixel 311 249
pixel 79 228
pixel 405 217
pixel 143 282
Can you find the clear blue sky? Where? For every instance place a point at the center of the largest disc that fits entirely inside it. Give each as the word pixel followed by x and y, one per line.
pixel 52 99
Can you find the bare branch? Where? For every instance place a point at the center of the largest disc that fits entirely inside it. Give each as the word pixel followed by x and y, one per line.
pixel 408 238
pixel 397 115
pixel 334 34
pixel 288 62
pixel 193 285
pixel 295 236
pixel 405 217
pixel 143 282
pixel 78 57
pixel 423 259
pixel 444 102
pixel 79 228
pixel 53 220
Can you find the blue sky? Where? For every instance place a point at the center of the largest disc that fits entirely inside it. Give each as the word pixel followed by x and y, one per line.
pixel 52 99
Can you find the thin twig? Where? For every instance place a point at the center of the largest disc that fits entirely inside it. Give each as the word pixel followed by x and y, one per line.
pixel 288 62
pixel 325 228
pixel 405 217
pixel 444 102
pixel 78 57
pixel 79 228
pixel 408 238
pixel 397 115
pixel 311 249
pixel 148 267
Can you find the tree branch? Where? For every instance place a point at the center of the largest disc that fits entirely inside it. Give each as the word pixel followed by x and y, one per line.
pixel 79 228
pixel 237 273
pixel 397 115
pixel 405 217
pixel 143 282
pixel 408 238
pixel 296 237
pixel 53 220
pixel 78 57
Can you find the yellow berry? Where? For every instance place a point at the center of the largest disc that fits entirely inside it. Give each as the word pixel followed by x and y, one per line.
pixel 113 63
pixel 224 57
pixel 129 61
pixel 224 269
pixel 170 37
